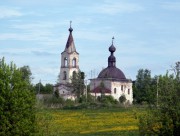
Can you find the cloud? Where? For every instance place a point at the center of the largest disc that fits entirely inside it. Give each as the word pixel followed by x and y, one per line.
pixel 171 5
pixel 118 7
pixel 7 12
pixel 42 53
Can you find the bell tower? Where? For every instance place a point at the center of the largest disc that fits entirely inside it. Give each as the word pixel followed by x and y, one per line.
pixel 69 59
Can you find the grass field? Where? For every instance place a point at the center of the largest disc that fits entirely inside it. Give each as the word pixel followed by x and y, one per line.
pixel 95 122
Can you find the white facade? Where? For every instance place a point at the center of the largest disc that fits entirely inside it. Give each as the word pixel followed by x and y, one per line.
pixel 117 88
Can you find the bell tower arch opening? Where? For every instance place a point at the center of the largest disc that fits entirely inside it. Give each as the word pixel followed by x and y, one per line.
pixel 74 63
pixel 65 62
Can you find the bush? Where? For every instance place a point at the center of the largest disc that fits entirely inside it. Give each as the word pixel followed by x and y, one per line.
pixel 122 98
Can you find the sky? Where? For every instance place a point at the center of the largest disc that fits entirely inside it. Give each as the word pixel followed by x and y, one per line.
pixel 35 32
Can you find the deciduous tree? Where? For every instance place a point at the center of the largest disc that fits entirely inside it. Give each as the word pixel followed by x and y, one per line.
pixel 17 114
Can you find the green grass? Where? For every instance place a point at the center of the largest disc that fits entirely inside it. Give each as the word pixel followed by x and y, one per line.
pixel 99 122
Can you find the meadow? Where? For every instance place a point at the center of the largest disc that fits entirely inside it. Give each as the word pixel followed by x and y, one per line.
pixel 88 122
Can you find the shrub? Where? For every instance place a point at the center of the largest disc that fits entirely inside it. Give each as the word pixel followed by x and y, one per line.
pixel 122 98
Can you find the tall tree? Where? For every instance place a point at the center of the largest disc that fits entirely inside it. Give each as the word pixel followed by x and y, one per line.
pixel 143 88
pixel 26 73
pixel 77 83
pixel 164 120
pixel 17 114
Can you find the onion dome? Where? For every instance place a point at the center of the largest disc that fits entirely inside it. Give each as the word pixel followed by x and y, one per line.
pixel 111 71
pixel 112 48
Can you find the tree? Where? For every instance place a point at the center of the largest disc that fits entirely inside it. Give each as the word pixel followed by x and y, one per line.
pixel 26 73
pixel 122 99
pixel 144 87
pixel 165 118
pixel 43 89
pixel 49 88
pixel 77 83
pixel 39 88
pixel 17 102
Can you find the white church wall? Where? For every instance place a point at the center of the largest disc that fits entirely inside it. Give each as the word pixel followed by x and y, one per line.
pixel 117 88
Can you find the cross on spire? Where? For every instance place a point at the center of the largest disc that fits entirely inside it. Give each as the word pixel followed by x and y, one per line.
pixel 70 23
pixel 70 29
pixel 112 39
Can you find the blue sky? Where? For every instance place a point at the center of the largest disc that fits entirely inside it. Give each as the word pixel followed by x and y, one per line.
pixel 34 33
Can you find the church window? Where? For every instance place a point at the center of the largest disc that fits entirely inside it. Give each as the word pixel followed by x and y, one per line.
pixel 65 62
pixel 74 62
pixel 121 87
pixel 128 91
pixel 65 75
pixel 114 90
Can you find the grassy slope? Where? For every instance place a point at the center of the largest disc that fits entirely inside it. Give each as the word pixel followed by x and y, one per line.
pixel 100 122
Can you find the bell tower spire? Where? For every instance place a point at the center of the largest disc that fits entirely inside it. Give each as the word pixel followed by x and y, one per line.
pixel 70 46
pixel 69 59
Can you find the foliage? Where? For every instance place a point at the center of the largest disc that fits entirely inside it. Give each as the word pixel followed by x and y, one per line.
pixel 17 114
pixel 144 87
pixel 122 99
pixel 43 89
pixel 89 98
pixel 165 118
pixel 26 73
pixel 109 100
pixel 77 83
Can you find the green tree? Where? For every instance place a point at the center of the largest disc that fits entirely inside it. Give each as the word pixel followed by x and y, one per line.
pixel 48 88
pixel 164 120
pixel 77 83
pixel 144 87
pixel 26 73
pixel 39 88
pixel 17 114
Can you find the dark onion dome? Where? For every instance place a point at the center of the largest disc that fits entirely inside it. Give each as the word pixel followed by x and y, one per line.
pixel 112 48
pixel 112 72
pixel 70 29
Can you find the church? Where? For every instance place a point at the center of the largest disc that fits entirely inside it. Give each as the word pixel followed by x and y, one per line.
pixel 112 81
pixel 69 65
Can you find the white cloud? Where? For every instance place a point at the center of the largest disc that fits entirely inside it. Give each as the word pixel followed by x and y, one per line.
pixel 118 7
pixel 171 5
pixel 9 12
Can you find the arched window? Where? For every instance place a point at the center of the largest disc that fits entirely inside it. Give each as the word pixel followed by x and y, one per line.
pixel 65 62
pixel 74 62
pixel 121 87
pixel 65 75
pixel 114 90
pixel 128 91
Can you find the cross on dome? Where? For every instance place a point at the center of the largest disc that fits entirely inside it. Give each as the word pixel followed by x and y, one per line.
pixel 70 29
